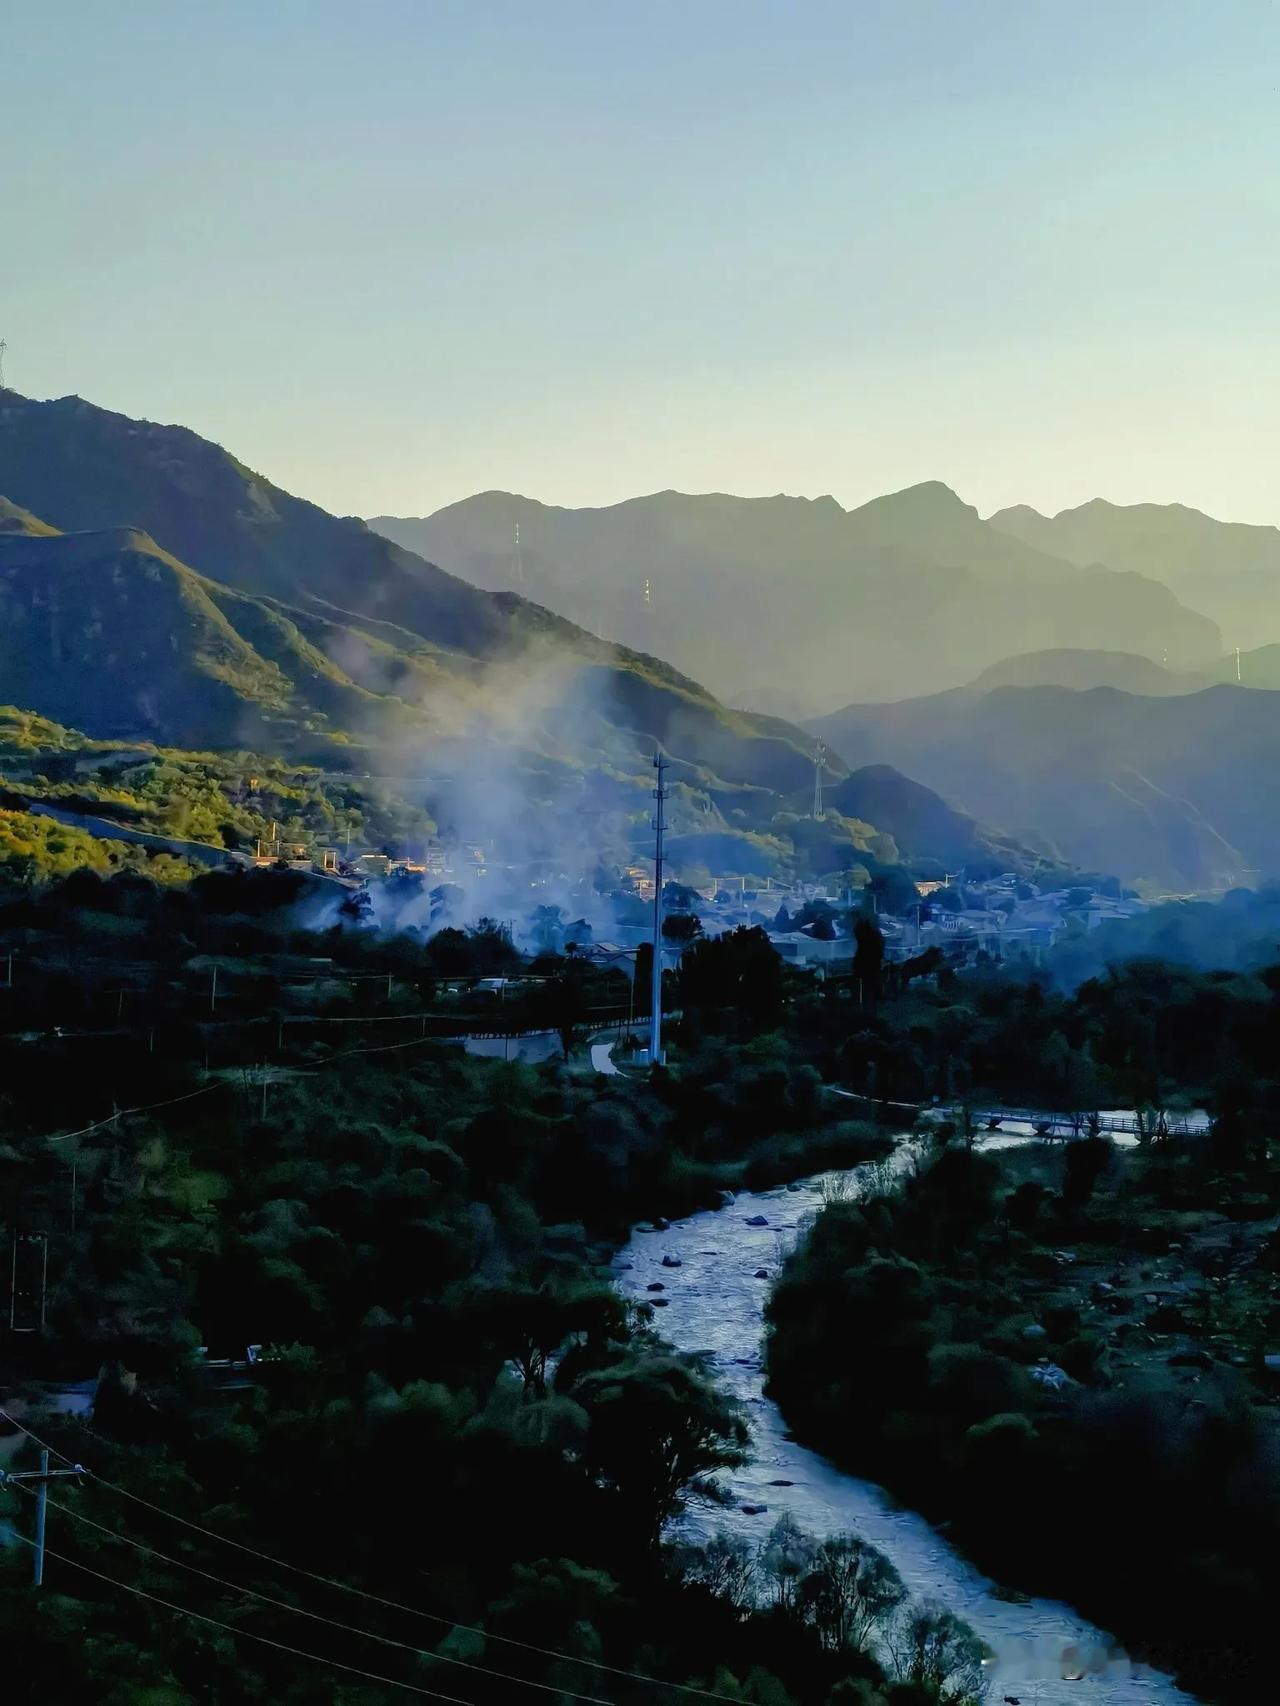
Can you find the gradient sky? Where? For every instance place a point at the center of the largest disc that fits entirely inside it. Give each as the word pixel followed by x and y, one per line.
pixel 392 252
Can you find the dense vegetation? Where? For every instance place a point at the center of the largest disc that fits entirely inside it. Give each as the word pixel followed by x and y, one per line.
pixel 451 1408
pixel 1062 1355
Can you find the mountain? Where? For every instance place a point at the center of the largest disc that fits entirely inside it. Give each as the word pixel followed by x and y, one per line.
pixel 1174 790
pixel 1227 569
pixel 153 587
pixel 921 822
pixel 794 603
pixel 1081 670
pixel 1128 672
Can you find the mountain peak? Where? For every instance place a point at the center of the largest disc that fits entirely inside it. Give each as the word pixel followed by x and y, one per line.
pixel 929 503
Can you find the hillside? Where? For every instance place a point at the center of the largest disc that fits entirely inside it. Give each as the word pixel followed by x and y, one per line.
pixel 1228 570
pixel 1082 670
pixel 347 635
pixel 922 824
pixel 1174 790
pixel 794 604
pixel 1128 672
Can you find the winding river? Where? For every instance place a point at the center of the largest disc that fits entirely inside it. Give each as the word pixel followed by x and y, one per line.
pixel 715 1305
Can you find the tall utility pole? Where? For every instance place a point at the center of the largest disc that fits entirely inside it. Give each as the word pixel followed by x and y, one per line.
pixel 3 347
pixel 819 762
pixel 659 830
pixel 40 1478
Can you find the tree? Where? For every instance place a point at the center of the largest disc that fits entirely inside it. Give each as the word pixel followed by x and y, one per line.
pixel 659 1429
pixel 738 971
pixel 850 1589
pixel 681 927
pixel 786 1559
pixel 1086 1160
pixel 931 1648
pixel 868 959
pixel 726 1566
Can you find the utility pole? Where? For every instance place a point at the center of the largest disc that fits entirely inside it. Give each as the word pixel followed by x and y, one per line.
pixel 3 347
pixel 659 830
pixel 34 1278
pixel 1237 665
pixel 40 1479
pixel 819 761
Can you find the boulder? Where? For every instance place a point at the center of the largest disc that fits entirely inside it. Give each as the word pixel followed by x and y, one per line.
pixel 757 1220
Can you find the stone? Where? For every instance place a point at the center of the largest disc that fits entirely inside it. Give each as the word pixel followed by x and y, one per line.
pixel 672 1262
pixel 655 1285
pixel 757 1220
pixel 761 1273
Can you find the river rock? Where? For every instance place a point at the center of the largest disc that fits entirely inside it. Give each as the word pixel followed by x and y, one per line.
pixel 761 1273
pixel 659 1302
pixel 672 1262
pixel 660 1225
pixel 655 1285
pixel 757 1220
pixel 754 1510
pixel 1190 1356
pixel 727 1199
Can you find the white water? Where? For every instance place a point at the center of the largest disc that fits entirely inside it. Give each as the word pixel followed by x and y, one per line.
pixel 715 1306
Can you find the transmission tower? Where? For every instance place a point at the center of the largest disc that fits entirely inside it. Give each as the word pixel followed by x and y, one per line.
pixel 518 559
pixel 659 831
pixel 3 347
pixel 819 763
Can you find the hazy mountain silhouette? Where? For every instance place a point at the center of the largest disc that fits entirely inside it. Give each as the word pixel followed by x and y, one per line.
pixel 1175 789
pixel 358 628
pixel 1227 569
pixel 796 603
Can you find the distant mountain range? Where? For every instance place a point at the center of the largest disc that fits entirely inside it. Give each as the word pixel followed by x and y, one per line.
pixel 1228 570
pixel 1172 787
pixel 153 587
pixel 792 604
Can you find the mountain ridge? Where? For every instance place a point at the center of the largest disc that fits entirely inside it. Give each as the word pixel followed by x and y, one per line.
pixel 767 597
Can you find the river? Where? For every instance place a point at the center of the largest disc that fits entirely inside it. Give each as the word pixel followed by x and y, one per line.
pixel 715 1305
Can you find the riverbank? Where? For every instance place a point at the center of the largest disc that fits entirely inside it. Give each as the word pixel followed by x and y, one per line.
pixel 715 1270
pixel 1059 1357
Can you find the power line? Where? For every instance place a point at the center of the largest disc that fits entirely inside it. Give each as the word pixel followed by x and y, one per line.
pixel 318 1617
pixel 248 1634
pixel 123 1113
pixel 362 1593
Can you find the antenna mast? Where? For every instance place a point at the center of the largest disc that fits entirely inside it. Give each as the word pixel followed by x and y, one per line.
pixel 659 830
pixel 819 761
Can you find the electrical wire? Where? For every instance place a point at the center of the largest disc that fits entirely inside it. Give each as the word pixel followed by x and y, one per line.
pixel 231 1629
pixel 315 1616
pixel 122 1113
pixel 362 1593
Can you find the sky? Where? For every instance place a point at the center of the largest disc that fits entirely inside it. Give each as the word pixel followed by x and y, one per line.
pixel 394 252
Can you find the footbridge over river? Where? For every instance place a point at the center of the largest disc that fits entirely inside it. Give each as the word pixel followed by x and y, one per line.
pixel 1044 1122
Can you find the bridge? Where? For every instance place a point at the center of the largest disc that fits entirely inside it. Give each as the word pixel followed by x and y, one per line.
pixel 1044 1122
